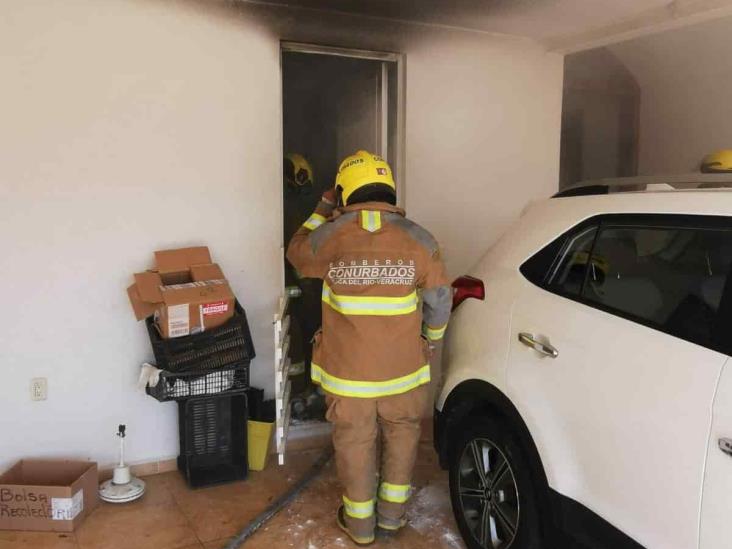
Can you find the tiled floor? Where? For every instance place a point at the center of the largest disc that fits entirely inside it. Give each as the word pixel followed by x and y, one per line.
pixel 170 516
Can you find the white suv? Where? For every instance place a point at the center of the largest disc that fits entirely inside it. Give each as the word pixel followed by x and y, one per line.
pixel 587 394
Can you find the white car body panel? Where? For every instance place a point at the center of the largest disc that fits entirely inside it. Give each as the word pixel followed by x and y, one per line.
pixel 489 341
pixel 620 418
pixel 654 404
pixel 717 499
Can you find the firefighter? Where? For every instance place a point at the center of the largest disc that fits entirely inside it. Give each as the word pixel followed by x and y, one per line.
pixel 299 200
pixel 385 299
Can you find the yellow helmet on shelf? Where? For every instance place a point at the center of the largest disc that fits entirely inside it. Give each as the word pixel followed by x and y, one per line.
pixel 717 162
pixel 361 170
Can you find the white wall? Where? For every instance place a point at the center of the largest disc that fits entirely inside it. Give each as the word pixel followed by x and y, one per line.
pixel 600 104
pixel 146 124
pixel 685 76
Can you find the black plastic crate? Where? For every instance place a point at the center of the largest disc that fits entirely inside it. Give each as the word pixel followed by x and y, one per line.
pixel 180 385
pixel 227 345
pixel 213 439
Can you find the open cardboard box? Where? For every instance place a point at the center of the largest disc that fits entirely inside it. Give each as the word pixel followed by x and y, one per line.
pixel 186 292
pixel 51 495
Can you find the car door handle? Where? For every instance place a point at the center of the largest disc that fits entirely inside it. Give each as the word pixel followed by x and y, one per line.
pixel 544 348
pixel 725 444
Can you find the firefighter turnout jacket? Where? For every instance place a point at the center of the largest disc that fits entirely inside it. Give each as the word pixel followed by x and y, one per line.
pixel 385 294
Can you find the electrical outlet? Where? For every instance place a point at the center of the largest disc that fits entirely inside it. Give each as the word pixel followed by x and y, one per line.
pixel 39 388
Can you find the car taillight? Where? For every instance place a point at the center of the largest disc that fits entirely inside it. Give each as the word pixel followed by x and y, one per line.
pixel 465 287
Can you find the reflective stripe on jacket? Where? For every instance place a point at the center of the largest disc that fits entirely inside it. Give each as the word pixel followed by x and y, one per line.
pixel 385 290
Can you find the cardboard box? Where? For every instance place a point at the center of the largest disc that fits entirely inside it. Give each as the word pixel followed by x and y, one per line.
pixel 186 293
pixel 52 495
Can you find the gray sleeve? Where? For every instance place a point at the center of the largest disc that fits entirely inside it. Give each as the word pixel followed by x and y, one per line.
pixel 436 308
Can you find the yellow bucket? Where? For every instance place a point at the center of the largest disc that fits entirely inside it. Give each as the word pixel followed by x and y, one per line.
pixel 259 438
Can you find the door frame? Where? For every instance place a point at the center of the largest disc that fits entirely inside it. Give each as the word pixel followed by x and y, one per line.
pixel 372 55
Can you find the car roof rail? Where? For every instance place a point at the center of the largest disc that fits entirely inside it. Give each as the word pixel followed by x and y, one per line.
pixel 642 183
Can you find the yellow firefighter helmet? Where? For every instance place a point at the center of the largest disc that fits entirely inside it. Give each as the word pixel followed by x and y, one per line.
pixel 361 170
pixel 297 171
pixel 717 162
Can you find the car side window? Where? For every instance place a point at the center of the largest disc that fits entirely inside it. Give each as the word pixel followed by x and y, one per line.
pixel 557 264
pixel 568 272
pixel 536 268
pixel 669 272
pixel 671 278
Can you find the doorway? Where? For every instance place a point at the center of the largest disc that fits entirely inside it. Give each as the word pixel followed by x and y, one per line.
pixel 334 102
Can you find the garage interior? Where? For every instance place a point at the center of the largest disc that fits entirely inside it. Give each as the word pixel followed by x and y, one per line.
pixel 151 125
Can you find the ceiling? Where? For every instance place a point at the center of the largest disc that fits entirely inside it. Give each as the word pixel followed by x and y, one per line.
pixel 561 24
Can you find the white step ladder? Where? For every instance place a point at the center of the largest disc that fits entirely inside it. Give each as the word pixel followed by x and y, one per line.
pixel 282 370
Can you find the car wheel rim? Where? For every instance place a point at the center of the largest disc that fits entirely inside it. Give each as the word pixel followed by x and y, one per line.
pixel 488 494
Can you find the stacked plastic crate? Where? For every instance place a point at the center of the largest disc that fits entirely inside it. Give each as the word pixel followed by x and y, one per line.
pixel 208 375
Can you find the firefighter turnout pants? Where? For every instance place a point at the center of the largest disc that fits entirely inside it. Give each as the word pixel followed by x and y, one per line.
pixel 376 490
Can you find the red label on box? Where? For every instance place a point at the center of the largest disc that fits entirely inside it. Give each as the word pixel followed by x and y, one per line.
pixel 216 308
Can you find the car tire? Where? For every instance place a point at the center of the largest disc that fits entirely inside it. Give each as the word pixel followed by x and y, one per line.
pixel 497 509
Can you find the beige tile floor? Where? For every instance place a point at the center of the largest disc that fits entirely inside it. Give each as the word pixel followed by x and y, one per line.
pixel 171 516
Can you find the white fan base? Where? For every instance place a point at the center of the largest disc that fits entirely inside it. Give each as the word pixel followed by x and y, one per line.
pixel 121 493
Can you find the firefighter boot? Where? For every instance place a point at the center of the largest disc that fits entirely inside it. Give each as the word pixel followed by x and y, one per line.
pixel 360 530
